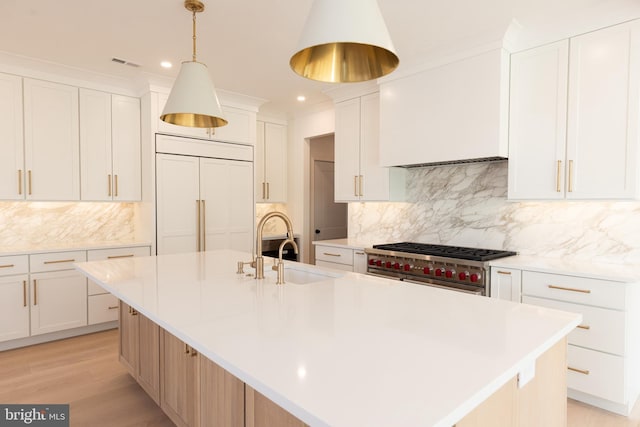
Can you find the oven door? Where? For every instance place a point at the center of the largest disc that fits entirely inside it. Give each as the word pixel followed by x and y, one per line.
pixel 449 286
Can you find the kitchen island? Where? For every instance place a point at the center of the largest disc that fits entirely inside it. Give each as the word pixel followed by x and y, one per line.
pixel 344 349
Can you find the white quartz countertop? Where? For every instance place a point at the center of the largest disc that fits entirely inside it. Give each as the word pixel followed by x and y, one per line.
pixel 627 273
pixel 344 243
pixel 32 248
pixel 347 350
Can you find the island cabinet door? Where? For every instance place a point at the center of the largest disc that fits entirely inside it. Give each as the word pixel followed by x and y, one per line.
pixel 221 396
pixel 129 338
pixel 262 412
pixel 148 374
pixel 180 378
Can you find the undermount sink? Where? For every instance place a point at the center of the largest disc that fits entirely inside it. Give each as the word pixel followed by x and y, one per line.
pixel 301 277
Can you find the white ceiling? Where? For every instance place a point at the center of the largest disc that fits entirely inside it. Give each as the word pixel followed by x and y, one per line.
pixel 247 44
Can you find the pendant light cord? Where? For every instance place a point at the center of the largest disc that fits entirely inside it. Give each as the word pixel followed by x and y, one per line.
pixel 194 36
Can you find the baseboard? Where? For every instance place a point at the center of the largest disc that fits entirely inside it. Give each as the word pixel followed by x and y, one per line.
pixel 68 333
pixel 618 408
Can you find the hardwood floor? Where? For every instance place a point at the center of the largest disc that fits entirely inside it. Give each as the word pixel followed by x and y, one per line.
pixel 85 372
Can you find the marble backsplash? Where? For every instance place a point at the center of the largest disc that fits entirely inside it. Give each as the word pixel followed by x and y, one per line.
pixel 30 224
pixel 466 205
pixel 273 226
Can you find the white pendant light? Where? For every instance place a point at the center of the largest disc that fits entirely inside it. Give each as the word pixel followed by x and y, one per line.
pixel 344 41
pixel 193 101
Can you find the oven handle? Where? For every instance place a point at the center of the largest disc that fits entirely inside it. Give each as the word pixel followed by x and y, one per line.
pixel 384 276
pixel 449 288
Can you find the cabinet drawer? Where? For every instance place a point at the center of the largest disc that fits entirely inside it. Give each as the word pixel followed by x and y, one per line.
pixel 102 308
pixel 595 373
pixel 16 264
pixel 325 264
pixel 335 255
pixel 601 329
pixel 601 293
pixel 101 254
pixel 55 261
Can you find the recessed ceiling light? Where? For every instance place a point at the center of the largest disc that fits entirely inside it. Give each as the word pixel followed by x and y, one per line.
pixel 301 98
pixel 166 64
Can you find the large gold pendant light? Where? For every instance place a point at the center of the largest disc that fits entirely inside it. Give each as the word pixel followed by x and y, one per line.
pixel 193 101
pixel 344 41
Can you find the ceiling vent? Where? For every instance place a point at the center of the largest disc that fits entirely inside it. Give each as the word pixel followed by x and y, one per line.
pixel 124 62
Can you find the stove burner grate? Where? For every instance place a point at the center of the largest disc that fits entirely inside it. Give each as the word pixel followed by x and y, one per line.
pixel 460 252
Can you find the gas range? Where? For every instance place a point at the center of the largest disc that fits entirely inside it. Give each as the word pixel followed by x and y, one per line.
pixel 453 267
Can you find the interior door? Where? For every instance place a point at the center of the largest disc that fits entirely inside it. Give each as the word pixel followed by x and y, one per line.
pixel 177 201
pixel 226 188
pixel 329 217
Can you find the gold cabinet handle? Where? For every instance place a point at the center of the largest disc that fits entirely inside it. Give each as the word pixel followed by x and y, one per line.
pixel 29 181
pixel 264 192
pixel 330 254
pixel 24 293
pixel 115 178
pixel 268 191
pixel 204 226
pixel 508 273
pixel 59 261
pixel 570 176
pixel 109 185
pixel 113 307
pixel 580 371
pixel 35 292
pixel 558 175
pixel 360 186
pixel 587 327
pixel 194 353
pixel 7 266
pixel 186 348
pixel 119 256
pixel 134 312
pixel 562 288
pixel 359 253
pixel 198 226
pixel 355 185
pixel 20 181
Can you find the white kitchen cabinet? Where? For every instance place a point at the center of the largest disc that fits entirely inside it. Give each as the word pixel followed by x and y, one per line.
pixel 101 306
pixel 271 163
pixel 52 149
pixel 203 203
pixel 506 283
pixel 573 124
pixel 58 301
pixel 603 354
pixel 110 146
pixel 453 111
pixel 239 129
pixel 341 258
pixel 12 171
pixel 358 174
pixel 14 297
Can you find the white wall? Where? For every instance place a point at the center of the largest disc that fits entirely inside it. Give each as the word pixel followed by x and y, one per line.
pixel 303 127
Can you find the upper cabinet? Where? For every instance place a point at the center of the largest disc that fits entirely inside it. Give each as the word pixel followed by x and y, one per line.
pixel 12 171
pixel 52 152
pixel 456 111
pixel 359 175
pixel 574 117
pixel 271 162
pixel 240 129
pixel 110 146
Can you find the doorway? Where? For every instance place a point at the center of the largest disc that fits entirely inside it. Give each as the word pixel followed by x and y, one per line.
pixel 328 219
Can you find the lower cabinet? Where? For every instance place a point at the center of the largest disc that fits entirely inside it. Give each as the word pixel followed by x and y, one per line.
pixel 221 397
pixel 180 379
pixel 506 283
pixel 140 349
pixel 14 307
pixel 262 412
pixel 58 301
pixel 341 258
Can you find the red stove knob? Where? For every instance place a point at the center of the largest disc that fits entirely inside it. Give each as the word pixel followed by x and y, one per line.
pixel 378 263
pixel 372 262
pixel 396 266
pixel 475 277
pixel 438 271
pixel 427 270
pixel 449 274
pixel 407 267
pixel 387 264
pixel 462 275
